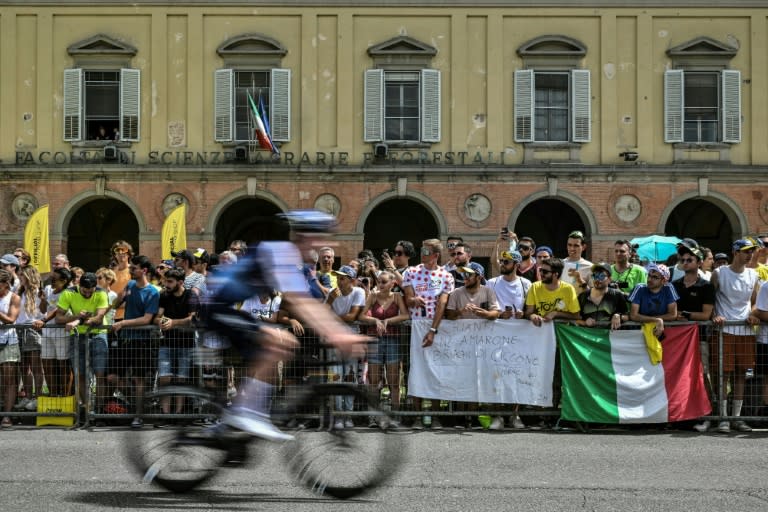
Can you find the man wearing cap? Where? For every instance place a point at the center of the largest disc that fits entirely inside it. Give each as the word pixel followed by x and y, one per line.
pixel 720 259
pixel 696 302
pixel 451 243
pixel 473 300
pixel 736 288
pixel 543 253
pixel 82 309
pixel 685 246
pixel 656 301
pixel 202 260
pixel 527 268
pixel 601 302
pixel 625 274
pixel 510 288
pixel 759 259
pixel 575 263
pixel 185 260
pixel 462 254
pixel 11 263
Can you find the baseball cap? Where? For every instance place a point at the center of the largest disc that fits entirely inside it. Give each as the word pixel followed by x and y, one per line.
pixel 742 244
pixel 511 255
pixel 184 254
pixel 346 270
pixel 88 280
pixel 721 256
pixel 602 266
pixel 201 254
pixel 473 268
pixel 689 243
pixel 546 249
pixel 9 259
pixel 692 248
pixel 660 268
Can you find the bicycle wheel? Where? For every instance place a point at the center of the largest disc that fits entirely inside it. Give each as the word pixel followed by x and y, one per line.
pixel 341 463
pixel 182 458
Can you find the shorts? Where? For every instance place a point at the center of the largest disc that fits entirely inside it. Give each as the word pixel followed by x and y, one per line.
pixel 10 353
pixel 174 362
pixel 55 344
pixel 29 339
pixel 97 349
pixel 738 352
pixel 386 350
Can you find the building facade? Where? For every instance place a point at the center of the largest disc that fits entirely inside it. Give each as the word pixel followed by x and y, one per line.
pixel 408 120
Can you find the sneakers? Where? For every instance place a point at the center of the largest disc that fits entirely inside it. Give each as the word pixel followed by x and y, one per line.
pixel 703 426
pixel 137 423
pixel 6 423
pixel 372 422
pixel 436 425
pixel 338 425
pixel 31 405
pixel 517 423
pixel 417 425
pixel 724 427
pixel 255 423
pixel 22 404
pixel 497 423
pixel 348 423
pixel 741 426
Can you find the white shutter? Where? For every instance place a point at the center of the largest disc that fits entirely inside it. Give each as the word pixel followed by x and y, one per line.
pixel 373 124
pixel 524 103
pixel 430 105
pixel 130 104
pixel 674 101
pixel 731 106
pixel 581 99
pixel 223 105
pixel 73 103
pixel 280 105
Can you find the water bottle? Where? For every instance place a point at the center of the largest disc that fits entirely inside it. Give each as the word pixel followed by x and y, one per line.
pixel 750 373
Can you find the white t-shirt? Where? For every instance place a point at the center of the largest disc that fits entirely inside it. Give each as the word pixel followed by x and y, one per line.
pixel 583 266
pixel 733 297
pixel 344 303
pixel 261 310
pixel 429 285
pixel 762 305
pixel 510 293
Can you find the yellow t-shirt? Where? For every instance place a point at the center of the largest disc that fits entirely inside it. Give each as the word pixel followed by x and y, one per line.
pixel 762 273
pixel 545 300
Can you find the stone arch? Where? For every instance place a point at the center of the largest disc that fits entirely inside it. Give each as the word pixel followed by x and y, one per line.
pixel 231 200
pixel 70 208
pixel 710 232
pixel 431 206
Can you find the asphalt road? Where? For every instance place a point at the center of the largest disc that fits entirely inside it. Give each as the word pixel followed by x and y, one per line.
pixel 449 470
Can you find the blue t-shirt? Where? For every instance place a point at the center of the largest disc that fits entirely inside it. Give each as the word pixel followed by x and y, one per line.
pixel 139 302
pixel 653 304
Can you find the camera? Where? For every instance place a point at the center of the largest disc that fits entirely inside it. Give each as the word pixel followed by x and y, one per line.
pixel 365 282
pixel 622 284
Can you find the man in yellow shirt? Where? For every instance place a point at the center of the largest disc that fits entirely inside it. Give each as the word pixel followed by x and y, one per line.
pixel 551 298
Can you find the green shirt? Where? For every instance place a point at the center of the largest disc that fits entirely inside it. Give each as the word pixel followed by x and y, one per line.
pixel 630 278
pixel 71 300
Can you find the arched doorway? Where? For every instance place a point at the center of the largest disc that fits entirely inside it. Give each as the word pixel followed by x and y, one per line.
pixel 95 227
pixel 250 219
pixel 395 220
pixel 703 221
pixel 548 222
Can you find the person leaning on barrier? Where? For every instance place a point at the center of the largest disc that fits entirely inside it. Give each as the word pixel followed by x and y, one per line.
pixel 625 275
pixel 473 300
pixel 55 348
pixel 656 301
pixel 82 308
pixel 551 298
pixel 10 303
pixel 760 310
pixel 602 302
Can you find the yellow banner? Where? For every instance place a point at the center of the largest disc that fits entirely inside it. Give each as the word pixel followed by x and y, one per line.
pixel 174 233
pixel 36 240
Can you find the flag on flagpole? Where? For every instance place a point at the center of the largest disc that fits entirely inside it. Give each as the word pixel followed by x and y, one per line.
pixel 174 232
pixel 36 241
pixel 264 116
pixel 608 376
pixel 261 132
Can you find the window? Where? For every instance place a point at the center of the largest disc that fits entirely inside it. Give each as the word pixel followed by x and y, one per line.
pixel 402 95
pixel 702 106
pixel 552 106
pixel 270 91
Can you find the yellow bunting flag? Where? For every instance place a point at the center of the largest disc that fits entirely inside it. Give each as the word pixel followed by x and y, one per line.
pixel 174 233
pixel 36 240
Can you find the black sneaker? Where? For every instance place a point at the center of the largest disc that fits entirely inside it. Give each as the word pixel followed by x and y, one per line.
pixel 137 423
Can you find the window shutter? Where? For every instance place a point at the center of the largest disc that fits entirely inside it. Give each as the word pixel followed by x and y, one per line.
pixel 524 103
pixel 581 99
pixel 373 125
pixel 731 106
pixel 130 104
pixel 674 101
pixel 430 105
pixel 223 95
pixel 73 103
pixel 280 105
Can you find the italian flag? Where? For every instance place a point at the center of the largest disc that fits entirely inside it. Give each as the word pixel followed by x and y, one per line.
pixel 608 376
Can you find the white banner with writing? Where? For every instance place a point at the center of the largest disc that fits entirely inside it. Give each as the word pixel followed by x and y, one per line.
pixel 504 361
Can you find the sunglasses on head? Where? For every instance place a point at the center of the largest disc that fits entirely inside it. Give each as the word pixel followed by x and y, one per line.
pixel 451 245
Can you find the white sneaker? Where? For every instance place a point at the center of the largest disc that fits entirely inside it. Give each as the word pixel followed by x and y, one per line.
pixel 724 427
pixel 348 423
pixel 31 405
pixel 255 423
pixel 518 423
pixel 497 423
pixel 338 425
pixel 22 404
pixel 703 426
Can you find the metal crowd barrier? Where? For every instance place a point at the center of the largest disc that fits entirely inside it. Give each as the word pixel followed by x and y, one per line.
pixel 198 357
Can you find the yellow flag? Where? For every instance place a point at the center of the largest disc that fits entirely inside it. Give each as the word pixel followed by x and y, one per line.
pixel 174 233
pixel 36 240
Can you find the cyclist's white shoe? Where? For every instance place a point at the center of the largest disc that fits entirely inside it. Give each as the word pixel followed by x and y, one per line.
pixel 255 423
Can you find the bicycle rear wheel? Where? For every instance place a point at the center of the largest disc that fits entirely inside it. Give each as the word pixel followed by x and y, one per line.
pixel 342 463
pixel 182 458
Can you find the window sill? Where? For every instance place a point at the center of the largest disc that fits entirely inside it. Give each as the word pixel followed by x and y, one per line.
pixel 552 152
pixel 399 144
pixel 687 152
pixel 95 144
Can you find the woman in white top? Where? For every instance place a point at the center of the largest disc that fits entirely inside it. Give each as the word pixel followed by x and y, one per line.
pixel 55 350
pixel 30 337
pixel 9 343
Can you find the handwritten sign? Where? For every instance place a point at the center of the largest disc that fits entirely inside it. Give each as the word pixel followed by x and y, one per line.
pixel 505 361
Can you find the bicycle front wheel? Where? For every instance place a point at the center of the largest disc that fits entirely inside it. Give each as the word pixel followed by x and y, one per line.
pixel 342 463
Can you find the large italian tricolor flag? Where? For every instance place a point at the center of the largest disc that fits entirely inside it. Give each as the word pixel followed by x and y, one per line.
pixel 608 376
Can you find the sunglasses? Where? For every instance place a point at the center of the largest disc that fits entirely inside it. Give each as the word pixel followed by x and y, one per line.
pixel 524 247
pixel 687 260
pixel 654 276
pixel 120 250
pixel 399 253
pixel 545 272
pixel 507 262
pixel 599 276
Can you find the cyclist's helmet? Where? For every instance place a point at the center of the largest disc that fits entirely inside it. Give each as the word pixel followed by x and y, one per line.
pixel 309 221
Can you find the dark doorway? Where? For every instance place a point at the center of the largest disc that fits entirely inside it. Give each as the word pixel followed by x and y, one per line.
pixel 95 227
pixel 252 220
pixel 703 221
pixel 395 220
pixel 548 222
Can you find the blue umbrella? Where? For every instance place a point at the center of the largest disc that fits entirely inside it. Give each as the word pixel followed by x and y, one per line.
pixel 656 247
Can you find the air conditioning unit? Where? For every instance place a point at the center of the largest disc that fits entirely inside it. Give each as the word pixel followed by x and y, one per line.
pixel 241 153
pixel 380 150
pixel 110 153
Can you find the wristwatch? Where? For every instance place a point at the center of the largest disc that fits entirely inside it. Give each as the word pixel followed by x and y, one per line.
pixel 433 330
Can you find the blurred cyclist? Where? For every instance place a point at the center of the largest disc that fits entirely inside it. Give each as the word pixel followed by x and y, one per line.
pixel 267 266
